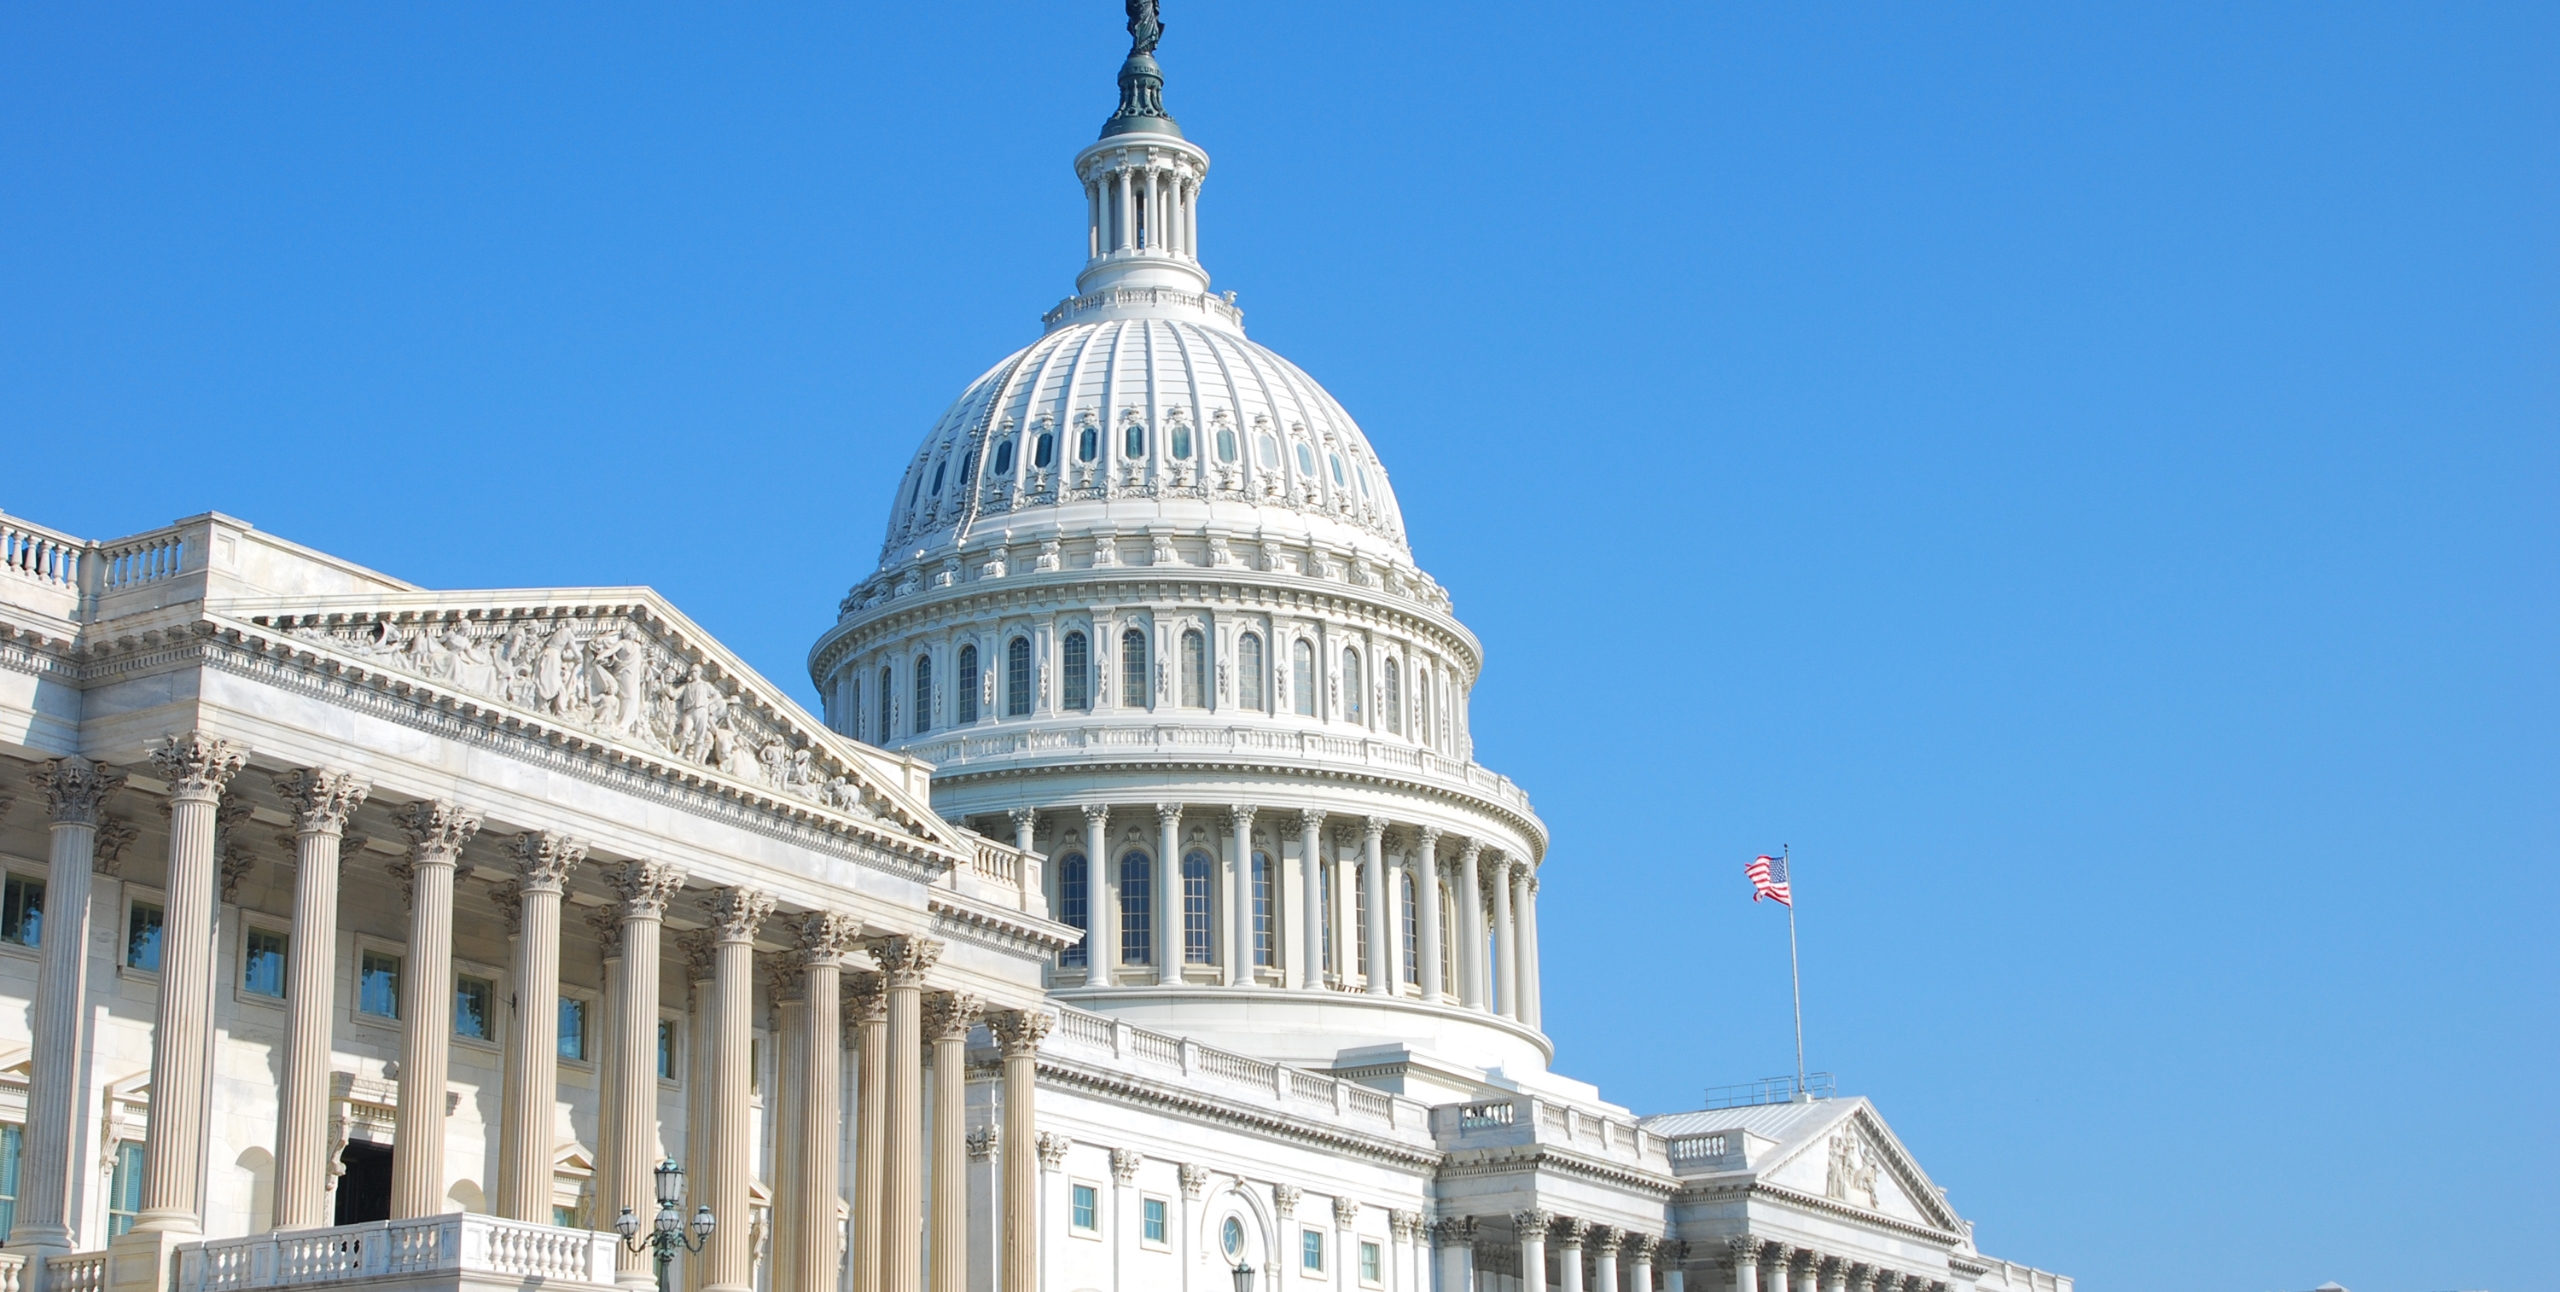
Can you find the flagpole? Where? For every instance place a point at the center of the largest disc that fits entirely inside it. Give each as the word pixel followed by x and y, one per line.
pixel 1794 971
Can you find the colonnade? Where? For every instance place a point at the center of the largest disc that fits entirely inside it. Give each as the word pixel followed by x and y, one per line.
pixel 1142 208
pixel 1589 1257
pixel 1768 1265
pixel 1492 953
pixel 889 1015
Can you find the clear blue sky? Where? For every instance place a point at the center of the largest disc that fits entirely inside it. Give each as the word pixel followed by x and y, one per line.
pixel 2085 479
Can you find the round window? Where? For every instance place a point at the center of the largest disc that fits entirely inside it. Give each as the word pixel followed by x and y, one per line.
pixel 1231 1239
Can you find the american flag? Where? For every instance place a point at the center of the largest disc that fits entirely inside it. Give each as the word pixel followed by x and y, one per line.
pixel 1768 878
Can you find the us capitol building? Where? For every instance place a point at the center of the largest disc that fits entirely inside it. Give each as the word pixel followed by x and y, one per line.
pixel 1135 917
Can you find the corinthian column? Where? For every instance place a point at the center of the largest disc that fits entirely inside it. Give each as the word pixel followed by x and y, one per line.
pixel 1569 1234
pixel 1382 906
pixel 1241 943
pixel 1019 1031
pixel 826 938
pixel 646 888
pixel 1101 902
pixel 1529 1012
pixel 1531 1226
pixel 321 800
pixel 1746 1263
pixel 904 961
pixel 866 1012
pixel 1470 906
pixel 735 914
pixel 1506 950
pixel 1604 1258
pixel 1311 899
pixel 437 831
pixel 948 1016
pixel 197 768
pixel 529 1137
pixel 786 1100
pixel 74 791
pixel 1426 893
pixel 1172 904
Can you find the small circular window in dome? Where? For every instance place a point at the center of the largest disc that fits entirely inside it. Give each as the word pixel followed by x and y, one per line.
pixel 1231 1239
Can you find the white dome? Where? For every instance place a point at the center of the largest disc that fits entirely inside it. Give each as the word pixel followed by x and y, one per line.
pixel 1229 438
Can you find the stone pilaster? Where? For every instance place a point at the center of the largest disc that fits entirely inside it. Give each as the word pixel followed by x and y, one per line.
pixel 321 800
pixel 75 792
pixel 948 1016
pixel 1018 1033
pixel 645 889
pixel 527 1138
pixel 1506 942
pixel 437 832
pixel 904 960
pixel 1382 907
pixel 728 1260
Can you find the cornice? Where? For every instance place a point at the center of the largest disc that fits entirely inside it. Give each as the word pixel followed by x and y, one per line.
pixel 1191 1103
pixel 954 917
pixel 1512 1158
pixel 1748 1189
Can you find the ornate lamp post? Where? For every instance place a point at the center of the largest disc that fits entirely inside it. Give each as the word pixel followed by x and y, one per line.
pixel 1243 1275
pixel 668 1234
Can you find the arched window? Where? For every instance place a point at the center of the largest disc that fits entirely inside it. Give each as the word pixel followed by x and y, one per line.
pixel 1075 909
pixel 1360 919
pixel 1263 947
pixel 1195 669
pixel 1412 929
pixel 1302 676
pixel 888 711
pixel 968 684
pixel 924 694
pixel 1137 909
pixel 1076 688
pixel 1017 678
pixel 1227 444
pixel 1134 691
pixel 1196 871
pixel 1004 458
pixel 1088 443
pixel 1394 681
pixel 1044 451
pixel 1133 440
pixel 1182 441
pixel 1351 687
pixel 1249 671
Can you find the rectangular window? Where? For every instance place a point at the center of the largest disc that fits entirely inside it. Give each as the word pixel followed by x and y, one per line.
pixel 1311 1250
pixel 1360 918
pixel 262 960
pixel 755 1065
pixel 1155 1226
pixel 22 912
pixel 573 1028
pixel 1085 1219
pixel 1262 939
pixel 124 1189
pixel 1017 678
pixel 1369 1270
pixel 1136 692
pixel 474 1011
pixel 1195 908
pixel 1076 690
pixel 142 938
pixel 565 1217
pixel 666 1049
pixel 969 684
pixel 12 1141
pixel 378 985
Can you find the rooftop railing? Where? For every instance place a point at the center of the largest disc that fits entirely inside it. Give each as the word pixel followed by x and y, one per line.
pixel 454 1243
pixel 54 564
pixel 1772 1090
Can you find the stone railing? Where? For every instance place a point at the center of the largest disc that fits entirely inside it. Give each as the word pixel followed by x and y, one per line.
pixel 1689 1153
pixel 76 1272
pixel 67 576
pixel 999 868
pixel 1533 1119
pixel 13 1272
pixel 1141 738
pixel 454 1243
pixel 1217 306
pixel 1294 1091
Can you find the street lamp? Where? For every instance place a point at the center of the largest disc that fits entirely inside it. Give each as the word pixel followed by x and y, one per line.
pixel 1244 1277
pixel 668 1234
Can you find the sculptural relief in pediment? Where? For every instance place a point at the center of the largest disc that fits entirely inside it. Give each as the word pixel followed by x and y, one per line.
pixel 614 676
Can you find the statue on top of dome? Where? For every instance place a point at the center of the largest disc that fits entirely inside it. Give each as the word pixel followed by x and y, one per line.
pixel 1144 27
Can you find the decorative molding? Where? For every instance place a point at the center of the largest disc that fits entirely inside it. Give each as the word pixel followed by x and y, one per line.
pixel 75 789
pixel 197 766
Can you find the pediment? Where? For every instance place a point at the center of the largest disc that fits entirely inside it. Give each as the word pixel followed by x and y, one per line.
pixel 614 667
pixel 1855 1160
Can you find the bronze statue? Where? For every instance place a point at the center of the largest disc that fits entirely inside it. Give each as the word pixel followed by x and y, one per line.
pixel 1144 29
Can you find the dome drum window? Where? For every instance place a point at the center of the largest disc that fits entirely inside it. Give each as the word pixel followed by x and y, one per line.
pixel 1135 693
pixel 1044 450
pixel 1003 465
pixel 1179 438
pixel 1076 670
pixel 1133 440
pixel 1088 443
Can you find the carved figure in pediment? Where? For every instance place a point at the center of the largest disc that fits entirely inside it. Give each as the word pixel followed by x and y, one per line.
pixel 1852 1174
pixel 474 667
pixel 623 662
pixel 554 671
pixel 700 707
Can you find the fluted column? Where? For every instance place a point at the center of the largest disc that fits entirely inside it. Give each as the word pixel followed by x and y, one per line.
pixel 1506 953
pixel 1170 898
pixel 528 1137
pixel 1835 1274
pixel 948 1016
pixel 321 800
pixel 1568 1237
pixel 1102 897
pixel 1240 938
pixel 437 832
pixel 1426 892
pixel 1746 1263
pixel 735 915
pixel 1774 1259
pixel 1311 899
pixel 786 1102
pixel 1808 1272
pixel 826 938
pixel 1604 1259
pixel 866 1014
pixel 1453 1245
pixel 1675 1274
pixel 1532 1229
pixel 904 961
pixel 1529 1012
pixel 1470 904
pixel 1640 1262
pixel 75 790
pixel 197 768
pixel 1018 1033
pixel 1382 906
pixel 631 1090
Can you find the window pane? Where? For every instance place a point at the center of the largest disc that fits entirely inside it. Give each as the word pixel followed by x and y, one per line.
pixel 1044 450
pixel 22 912
pixel 887 712
pixel 1351 687
pixel 573 1028
pixel 1077 690
pixel 1411 934
pixel 1017 678
pixel 1368 1262
pixel 1269 450
pixel 12 1143
pixel 666 1050
pixel 968 684
pixel 924 694
pixel 1311 1250
pixel 1133 441
pixel 1137 909
pixel 378 985
pixel 1088 444
pixel 1195 669
pixel 142 937
pixel 1155 1220
pixel 1004 458
pixel 1072 909
pixel 471 1008
pixel 1394 681
pixel 262 963
pixel 1196 871
pixel 1226 445
pixel 1084 1208
pixel 1302 677
pixel 1134 691
pixel 1360 918
pixel 124 1189
pixel 1249 671
pixel 1262 939
pixel 1182 441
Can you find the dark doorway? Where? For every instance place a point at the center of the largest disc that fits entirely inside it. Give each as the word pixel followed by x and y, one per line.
pixel 364 1192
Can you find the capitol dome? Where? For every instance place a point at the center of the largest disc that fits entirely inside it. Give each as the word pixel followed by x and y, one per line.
pixel 1145 601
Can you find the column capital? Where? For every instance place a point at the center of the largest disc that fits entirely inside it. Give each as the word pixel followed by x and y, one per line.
pixel 1023 817
pixel 1569 1231
pixel 1194 1180
pixel 437 829
pixel 198 766
pixel 1744 1249
pixel 1470 848
pixel 1402 1223
pixel 1311 824
pixel 321 798
pixel 1528 884
pixel 736 912
pixel 1863 1277
pixel 75 789
pixel 605 922
pixel 1605 1241
pixel 1532 1223
pixel 1240 816
pixel 905 958
pixel 544 859
pixel 786 979
pixel 1019 1031
pixel 1124 1165
pixel 1346 1213
pixel 866 1000
pixel 1373 828
pixel 1053 1150
pixel 1426 838
pixel 982 1143
pixel 1097 813
pixel 1168 815
pixel 1284 1198
pixel 1452 1231
pixel 827 937
pixel 506 894
pixel 232 858
pixel 115 834
pixel 948 1015
pixel 1778 1254
pixel 1641 1247
pixel 698 947
pixel 646 887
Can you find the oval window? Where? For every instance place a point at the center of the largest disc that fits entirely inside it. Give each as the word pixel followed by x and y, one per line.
pixel 936 491
pixel 1181 442
pixel 1226 445
pixel 1363 473
pixel 1306 460
pixel 1133 441
pixel 1338 480
pixel 1044 452
pixel 1088 444
pixel 1231 1239
pixel 1004 458
pixel 1269 448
